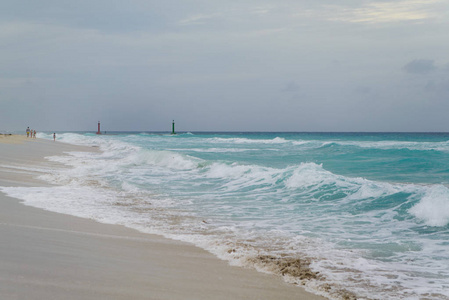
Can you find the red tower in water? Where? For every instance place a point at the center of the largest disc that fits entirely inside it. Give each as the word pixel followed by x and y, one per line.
pixel 98 132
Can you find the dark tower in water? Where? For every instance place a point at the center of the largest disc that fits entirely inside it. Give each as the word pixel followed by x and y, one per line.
pixel 173 127
pixel 98 132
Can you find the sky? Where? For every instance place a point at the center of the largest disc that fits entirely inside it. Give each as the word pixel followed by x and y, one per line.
pixel 234 65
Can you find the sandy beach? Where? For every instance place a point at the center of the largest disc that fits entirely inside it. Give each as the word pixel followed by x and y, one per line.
pixel 12 139
pixel 45 255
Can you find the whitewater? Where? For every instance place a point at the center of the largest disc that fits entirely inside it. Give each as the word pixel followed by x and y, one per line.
pixel 346 215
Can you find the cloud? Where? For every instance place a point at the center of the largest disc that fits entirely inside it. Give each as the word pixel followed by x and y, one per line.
pixel 198 19
pixel 262 10
pixel 384 12
pixel 363 90
pixel 291 87
pixel 446 67
pixel 149 61
pixel 420 66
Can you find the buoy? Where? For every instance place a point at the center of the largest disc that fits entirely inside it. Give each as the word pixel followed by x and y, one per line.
pixel 173 128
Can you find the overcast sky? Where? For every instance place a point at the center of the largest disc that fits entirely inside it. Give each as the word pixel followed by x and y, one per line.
pixel 231 65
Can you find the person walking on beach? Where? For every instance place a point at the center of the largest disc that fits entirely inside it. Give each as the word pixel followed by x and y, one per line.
pixel 28 131
pixel 34 134
pixel 54 136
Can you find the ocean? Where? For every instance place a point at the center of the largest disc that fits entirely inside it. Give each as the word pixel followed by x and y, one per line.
pixel 346 215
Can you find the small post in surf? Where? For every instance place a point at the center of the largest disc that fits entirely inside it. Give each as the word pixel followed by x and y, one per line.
pixel 173 128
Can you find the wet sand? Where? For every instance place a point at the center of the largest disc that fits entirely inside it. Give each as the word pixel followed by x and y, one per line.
pixel 45 255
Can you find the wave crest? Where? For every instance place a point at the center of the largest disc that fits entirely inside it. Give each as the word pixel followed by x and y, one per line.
pixel 433 208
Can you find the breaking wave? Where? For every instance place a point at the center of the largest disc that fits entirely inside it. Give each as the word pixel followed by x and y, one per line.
pixel 329 231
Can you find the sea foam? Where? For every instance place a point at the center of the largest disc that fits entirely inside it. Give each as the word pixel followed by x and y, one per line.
pixel 433 208
pixel 270 199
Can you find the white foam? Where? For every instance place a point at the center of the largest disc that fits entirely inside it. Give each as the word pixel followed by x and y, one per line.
pixel 433 208
pixel 254 210
pixel 67 199
pixel 387 145
pixel 166 159
pixel 215 150
pixel 276 140
pixel 310 174
pixel 70 138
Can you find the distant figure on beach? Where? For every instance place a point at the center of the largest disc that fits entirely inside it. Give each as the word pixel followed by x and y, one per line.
pixel 54 136
pixel 28 131
pixel 34 134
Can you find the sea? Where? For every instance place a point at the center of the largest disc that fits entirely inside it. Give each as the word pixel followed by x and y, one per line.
pixel 345 215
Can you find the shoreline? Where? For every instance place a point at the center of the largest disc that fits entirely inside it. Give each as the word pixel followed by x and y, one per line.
pixel 50 255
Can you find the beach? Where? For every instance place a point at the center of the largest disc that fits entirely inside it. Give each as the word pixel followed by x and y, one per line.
pixel 47 255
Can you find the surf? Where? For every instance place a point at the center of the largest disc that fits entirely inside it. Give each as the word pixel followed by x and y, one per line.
pixel 340 211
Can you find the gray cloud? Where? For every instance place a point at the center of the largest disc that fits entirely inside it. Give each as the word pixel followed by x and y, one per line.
pixel 291 87
pixel 363 89
pixel 446 67
pixel 230 65
pixel 420 66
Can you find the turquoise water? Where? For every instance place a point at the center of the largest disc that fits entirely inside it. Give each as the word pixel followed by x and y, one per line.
pixel 370 211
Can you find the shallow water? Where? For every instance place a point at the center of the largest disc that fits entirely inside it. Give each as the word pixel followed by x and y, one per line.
pixel 343 213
